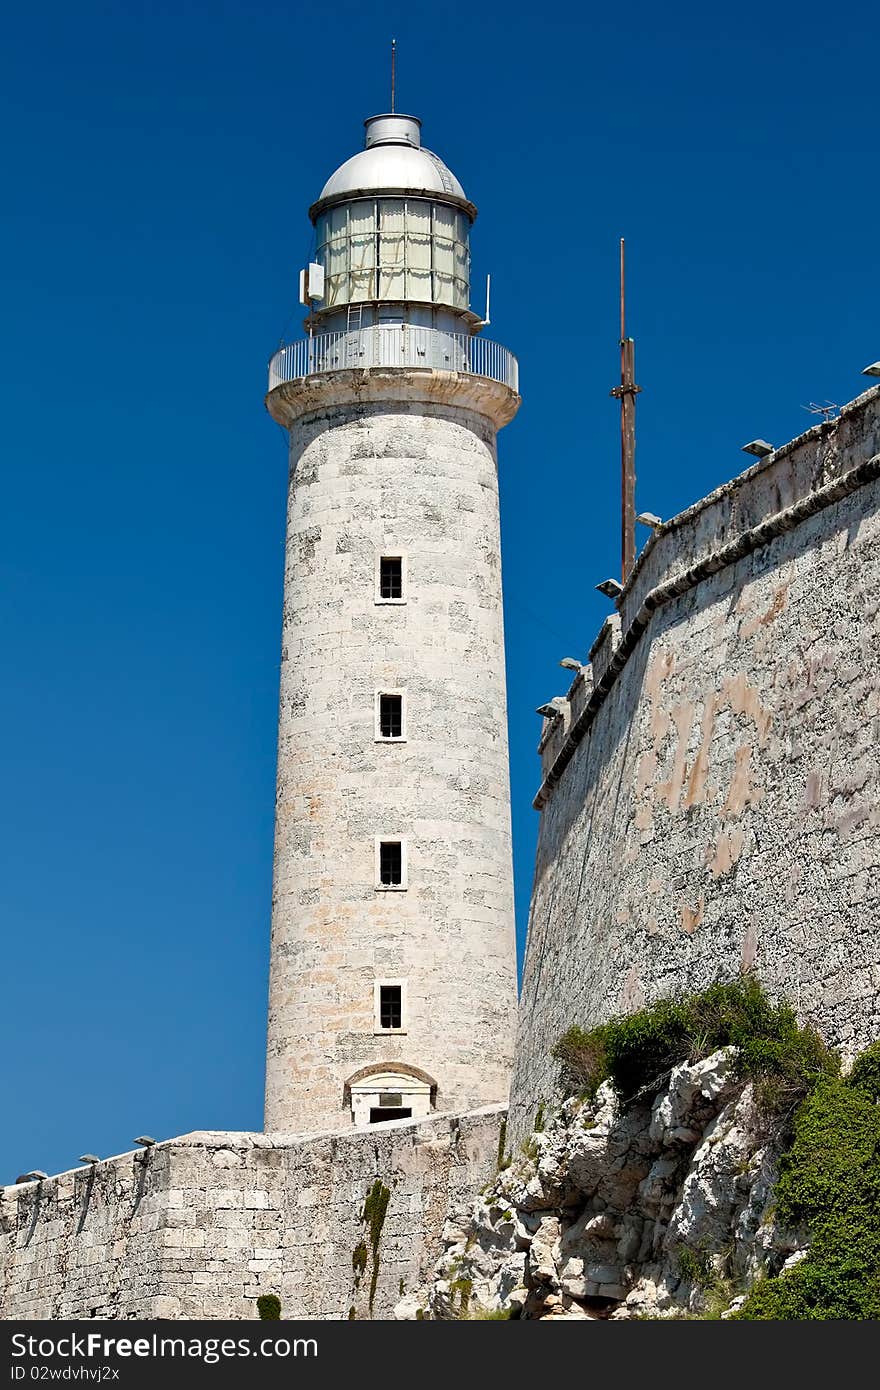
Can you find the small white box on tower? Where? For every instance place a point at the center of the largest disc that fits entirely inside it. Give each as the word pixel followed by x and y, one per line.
pixel 311 283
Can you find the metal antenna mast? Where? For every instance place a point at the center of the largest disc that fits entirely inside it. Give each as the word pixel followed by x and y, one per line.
pixel 393 64
pixel 627 392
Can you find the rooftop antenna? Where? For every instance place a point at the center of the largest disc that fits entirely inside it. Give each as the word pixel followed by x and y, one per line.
pixel 826 411
pixel 393 66
pixel 626 393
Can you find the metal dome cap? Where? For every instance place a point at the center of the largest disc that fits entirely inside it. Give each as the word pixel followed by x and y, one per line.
pixel 393 161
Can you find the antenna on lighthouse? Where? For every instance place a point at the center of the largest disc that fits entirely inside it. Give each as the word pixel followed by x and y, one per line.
pixel 627 392
pixel 393 66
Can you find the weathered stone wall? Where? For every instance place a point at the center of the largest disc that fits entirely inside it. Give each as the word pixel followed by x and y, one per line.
pixel 212 1220
pixel 710 792
pixel 391 463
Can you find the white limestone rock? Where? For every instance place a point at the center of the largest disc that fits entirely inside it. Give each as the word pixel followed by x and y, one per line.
pixel 593 1224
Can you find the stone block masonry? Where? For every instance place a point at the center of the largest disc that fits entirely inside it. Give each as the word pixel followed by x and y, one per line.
pixel 210 1221
pixel 709 800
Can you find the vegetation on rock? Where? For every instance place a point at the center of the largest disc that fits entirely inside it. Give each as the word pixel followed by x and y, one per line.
pixel 636 1052
pixel 463 1288
pixel 269 1307
pixel 829 1186
pixel 502 1140
pixel 865 1075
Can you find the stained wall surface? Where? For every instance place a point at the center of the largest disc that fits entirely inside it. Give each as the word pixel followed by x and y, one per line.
pixel 213 1220
pixel 709 799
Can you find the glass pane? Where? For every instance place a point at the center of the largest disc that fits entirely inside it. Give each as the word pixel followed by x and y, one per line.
pixel 363 252
pixel 338 220
pixel 363 217
pixel 337 289
pixel 391 214
pixel 418 217
pixel 418 252
pixel 442 289
pixel 418 284
pixel 337 257
pixel 363 284
pixel 461 294
pixel 391 283
pixel 443 256
pixel 444 221
pixel 391 250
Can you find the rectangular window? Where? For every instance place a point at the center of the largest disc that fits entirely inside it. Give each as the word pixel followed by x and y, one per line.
pixel 391 577
pixel 390 716
pixel 390 1015
pixel 391 863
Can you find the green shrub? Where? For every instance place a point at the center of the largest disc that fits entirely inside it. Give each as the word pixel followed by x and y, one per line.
pixel 785 1063
pixel 865 1075
pixel 695 1266
pixel 269 1307
pixel 829 1186
pixel 584 1064
pixel 637 1051
pixel 642 1048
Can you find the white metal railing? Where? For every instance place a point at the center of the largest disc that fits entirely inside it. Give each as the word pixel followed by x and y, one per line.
pixel 394 345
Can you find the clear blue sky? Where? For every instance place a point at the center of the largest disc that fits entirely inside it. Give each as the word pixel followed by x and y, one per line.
pixel 159 161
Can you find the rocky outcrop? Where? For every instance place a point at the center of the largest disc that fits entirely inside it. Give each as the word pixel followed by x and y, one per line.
pixel 657 1209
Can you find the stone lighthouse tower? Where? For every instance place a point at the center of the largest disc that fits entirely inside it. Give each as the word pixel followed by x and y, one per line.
pixel 393 985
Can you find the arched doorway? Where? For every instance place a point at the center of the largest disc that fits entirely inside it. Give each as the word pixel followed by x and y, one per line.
pixel 389 1091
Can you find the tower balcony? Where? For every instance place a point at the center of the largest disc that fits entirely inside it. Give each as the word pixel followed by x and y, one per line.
pixel 394 345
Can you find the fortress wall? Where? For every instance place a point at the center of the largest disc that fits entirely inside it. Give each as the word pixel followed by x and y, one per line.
pixel 213 1220
pixel 709 801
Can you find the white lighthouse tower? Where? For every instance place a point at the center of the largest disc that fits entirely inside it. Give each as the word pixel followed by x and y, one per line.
pixel 393 984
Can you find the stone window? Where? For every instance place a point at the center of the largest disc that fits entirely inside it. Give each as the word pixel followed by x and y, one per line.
pixel 391 864
pixel 389 716
pixel 390 1014
pixel 390 579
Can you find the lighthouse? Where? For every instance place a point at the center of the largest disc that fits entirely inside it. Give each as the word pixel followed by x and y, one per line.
pixel 392 978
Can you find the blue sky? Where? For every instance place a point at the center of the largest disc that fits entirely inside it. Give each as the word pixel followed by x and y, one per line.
pixel 161 161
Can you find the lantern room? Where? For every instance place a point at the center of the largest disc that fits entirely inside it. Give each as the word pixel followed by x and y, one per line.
pixel 392 228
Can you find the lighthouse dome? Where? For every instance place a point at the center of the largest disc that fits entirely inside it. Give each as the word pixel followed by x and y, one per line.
pixel 393 161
